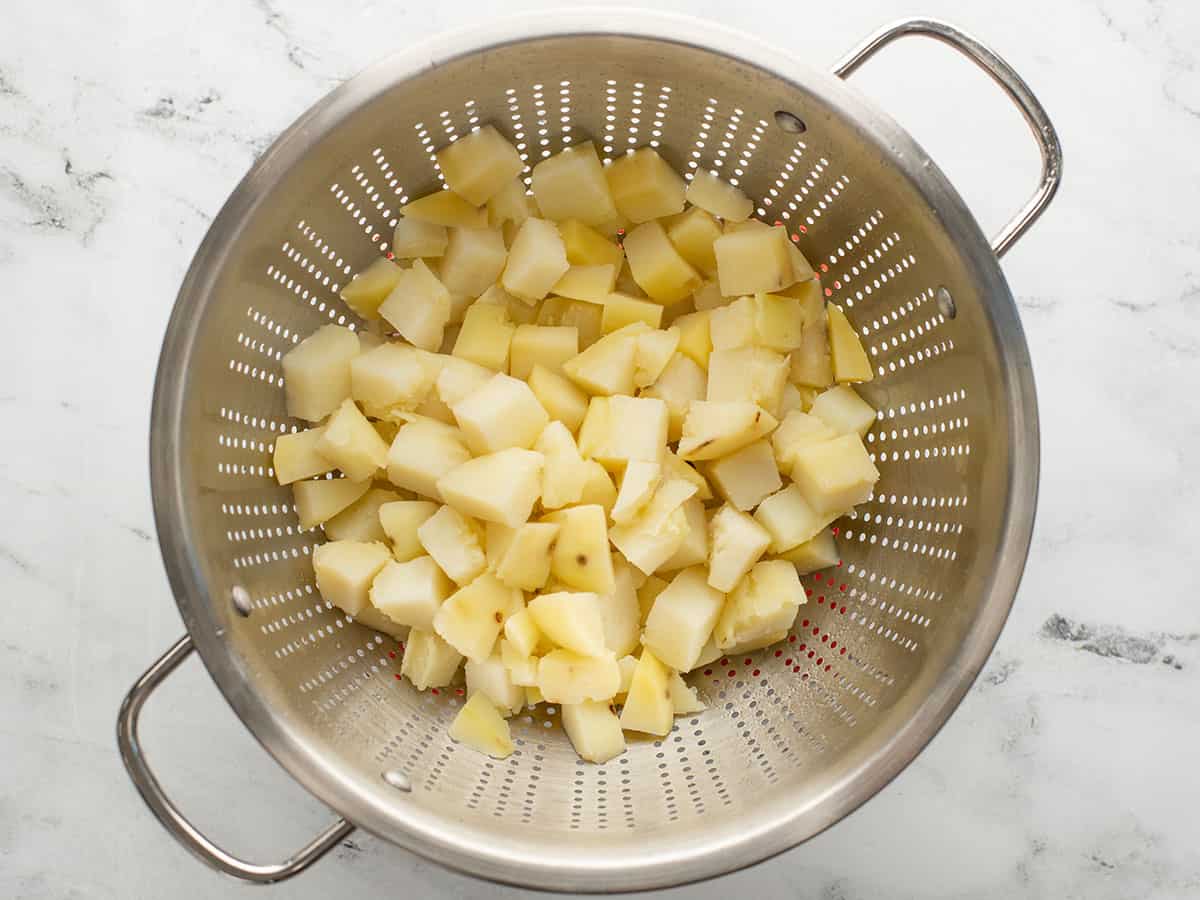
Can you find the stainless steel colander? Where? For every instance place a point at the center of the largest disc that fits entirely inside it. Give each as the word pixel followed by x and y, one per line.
pixel 794 738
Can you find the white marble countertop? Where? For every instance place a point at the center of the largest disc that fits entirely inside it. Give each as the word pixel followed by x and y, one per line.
pixel 1070 769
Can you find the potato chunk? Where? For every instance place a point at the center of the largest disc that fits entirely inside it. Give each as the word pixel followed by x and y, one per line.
pixel 587 247
pixel 370 287
pixel 454 542
pixel 350 442
pixel 418 307
pixel 682 619
pixel 413 238
pixel 473 260
pixel 657 266
pixel 607 366
pixel 850 361
pixel 695 336
pixel 737 542
pixel 410 593
pixel 844 411
pixel 400 520
pixel 648 704
pixel 321 500
pixel 812 365
pixel 581 557
pixel 503 413
pixel 429 661
pixel 746 476
pixel 621 310
pixel 497 487
pixel 479 725
pixel 681 383
pixel 486 337
pixel 521 631
pixel 789 518
pixel 594 730
pixel 566 677
pixel 570 620
pixel 525 563
pixel 820 552
pixel 718 197
pixel 797 430
pixel 571 185
pixel 619 429
pixel 421 453
pixel 479 164
pixel 445 208
pixel 360 520
pixel 590 283
pixel 564 473
pixel 470 620
pixel 558 396
pixel 763 604
pixel 390 376
pixel 836 475
pixel 659 530
pixel 344 571
pixel 644 186
pixel 693 234
pixel 536 260
pixel 747 373
pixel 491 678
pixel 693 551
pixel 542 345
pixel 753 260
pixel 637 486
pixel 713 429
pixel 296 456
pixel 316 372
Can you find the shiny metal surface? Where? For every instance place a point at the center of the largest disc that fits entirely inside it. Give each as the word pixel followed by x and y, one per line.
pixel 885 648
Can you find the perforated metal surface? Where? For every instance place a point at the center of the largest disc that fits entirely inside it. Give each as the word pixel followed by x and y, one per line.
pixel 793 737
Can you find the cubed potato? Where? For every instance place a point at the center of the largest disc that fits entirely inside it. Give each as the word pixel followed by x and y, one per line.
pixel 802 269
pixel 581 315
pixel 410 593
pixel 674 467
pixel 835 475
pixel 387 377
pixel 370 287
pixel 681 383
pixel 619 429
pixel 445 208
pixel 571 185
pixel 472 617
pixel 418 307
pixel 525 563
pixel 360 520
pixel 296 456
pixel 684 699
pixel 619 611
pixel 558 396
pixel 316 372
pixel 491 678
pixel 659 530
pixel 637 486
pixel 599 489
pixel 400 520
pixel 695 336
pixel 503 413
pixel 486 336
pixel 693 233
pixel 511 204
pixel 423 452
pixel 713 429
pixel 473 260
pixel 377 621
pixel 588 247
pixel 648 593
pixel 455 543
pixel 546 345
pixel 746 476
pixel 648 704
pixel 789 518
pixel 413 239
pixel 763 605
pixel 626 284
pixel 590 283
pixel 654 352
pixel 708 296
pixel 850 361
pixel 753 260
pixel 349 441
pixel 748 373
pixel 733 326
pixel 594 730
pixel 522 633
pixel 694 549
pixel 792 401
pixel 321 500
pixel 812 365
pixel 460 378
pixel 567 677
pixel 719 197
pixel 644 186
pixel 607 366
pixel 344 571
pixel 621 310
pixel 536 260
pixel 480 726
pixel 658 268
pixel 797 430
pixel 844 411
pixel 519 311
pixel 627 665
pixel 496 487
pixel 496 540
pixel 821 552
pixel 778 322
pixel 429 662
pixel 682 619
pixel 736 542
pixel 521 668
pixel 479 164
pixel 564 472
pixel 581 558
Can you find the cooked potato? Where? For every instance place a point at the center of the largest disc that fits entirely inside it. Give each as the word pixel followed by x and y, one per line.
pixel 695 336
pixel 345 570
pixel 607 366
pixel 491 678
pixel 472 617
pixel 559 397
pixel 753 260
pixel 521 631
pixel 820 552
pixel 844 411
pixel 410 593
pixel 570 620
pixel 681 383
pixel 525 563
pixel 349 442
pixel 713 429
pixel 400 520
pixel 478 165
pixel 496 487
pixel 321 500
pixel 445 208
pixel 502 413
pixel 296 456
pixel 637 486
pixel 648 704
pixel 581 315
pixel 693 551
pixel 571 185
pixel 473 260
pixel 360 520
pixel 455 543
pixel 737 543
pixel 316 372
pixel 659 529
pixel 564 472
pixel 587 247
pixel 511 204
pixel 370 287
pixel 429 662
pixel 746 476
pixel 850 361
pixel 748 373
pixel 581 558
pixel 594 730
pixel 390 376
pixel 421 453
pixel 536 260
pixel 486 336
pixel 763 604
pixel 693 234
pixel 682 618
pixel 644 186
pixel 835 475
pixel 418 307
pixel 718 197
pixel 590 283
pixel 657 266
pixel 548 346
pixel 479 725
pixel 621 310
pixel 413 238
pixel 566 677
pixel 619 429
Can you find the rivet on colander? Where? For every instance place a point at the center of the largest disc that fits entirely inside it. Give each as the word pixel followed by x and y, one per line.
pixel 946 303
pixel 790 122
pixel 240 598
pixel 398 780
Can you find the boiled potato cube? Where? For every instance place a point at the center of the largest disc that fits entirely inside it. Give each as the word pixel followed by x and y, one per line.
pixel 591 283
pixel 594 730
pixel 708 296
pixel 797 430
pixel 619 611
pixel 519 312
pixel 455 544
pixel 429 662
pixel 566 677
pixel 693 234
pixel 734 325
pixel 588 247
pixel 626 283
pixel 581 558
pixel 737 542
pixel 389 376
pixel 459 378
pixel 558 396
pixel 360 520
pixel 746 476
pixel 400 520
pixel 644 186
pixel 711 653
pixel 345 570
pixel 316 372
pixel 718 197
pixel 793 400
pixel 681 383
pixel 584 317
pixel 802 269
pixel 619 429
pixel 654 352
pixel 542 345
pixel 521 668
pixel 836 475
pixel 486 336
pixel 370 287
pixel 473 260
pixel 511 204
pixel 779 322
pixel 470 620
pixel 296 456
pixel 321 500
pixel 694 549
pixel 445 208
pixel 627 665
pixel 850 362
pixel 695 336
pixel 648 703
pixel 536 260
pixel 674 467
pixel 682 619
pixel 748 373
pixel 525 563
pixel 683 697
pixel 621 310
pixel 713 429
pixel 521 632
pixel 410 593
pixel 820 552
pixel 377 621
pixel 571 185
pixel 657 266
pixel 659 530
pixel 753 260
pixel 789 519
pixel 496 487
pixel 844 411
pixel 503 413
pixel 496 540
pixel 607 366
pixel 763 604
pixel 423 452
pixel 637 486
pixel 350 442
pixel 418 307
pixel 479 164
pixel 491 678
pixel 564 472
pixel 812 365
pixel 479 725
pixel 648 593
pixel 599 489
pixel 413 238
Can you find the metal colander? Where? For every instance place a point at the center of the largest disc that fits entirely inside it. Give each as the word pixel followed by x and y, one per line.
pixel 794 737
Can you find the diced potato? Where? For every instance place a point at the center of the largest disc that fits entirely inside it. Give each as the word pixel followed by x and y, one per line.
pixel 316 372
pixel 748 373
pixel 423 452
pixel 460 378
pixel 296 456
pixel 321 500
pixel 564 473
pixel 797 430
pixel 584 317
pixel 418 307
pixel 619 429
pixel 779 322
pixel 496 540
pixel 455 543
pixel 410 593
pixel 695 337
pixel 648 704
pixel 694 549
pixel 708 296
pixel 683 697
pixel 674 467
pixel 802 269
pixel 445 208
pixel 344 571
pixel 594 730
pixel 812 365
pixel 713 429
pixel 599 489
pixel 789 518
pixel 734 325
pixel 525 563
pixel 581 558
pixel 413 239
pixel 571 185
pixel 591 283
pixel 522 633
pixel 844 411
pixel 682 619
pixel 637 486
pixel 389 376
pixel 627 665
pixel 470 620
pixel 820 552
pixel 681 383
pixel 400 520
pixel 473 260
pixel 792 400
pixel 753 260
pixel 626 283
pixel 360 520
pixel 503 413
pixel 546 345
pixel 659 530
pixel 850 361
pixel 746 476
pixel 619 613
pixel 558 396
pixel 737 543
pixel 486 336
pixel 429 662
pixel 657 266
pixel 491 678
pixel 349 441
pixel 588 247
pixel 566 677
pixel 496 487
pixel 377 621
pixel 536 260
pixel 835 475
pixel 479 725
pixel 608 366
pixel 521 668
pixel 654 352
pixel 711 653
pixel 370 287
pixel 763 605
pixel 693 234
pixel 478 165
pixel 511 204
pixel 648 593
pixel 718 197
pixel 644 186
pixel 621 310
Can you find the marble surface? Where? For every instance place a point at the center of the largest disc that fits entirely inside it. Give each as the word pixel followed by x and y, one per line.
pixel 1070 769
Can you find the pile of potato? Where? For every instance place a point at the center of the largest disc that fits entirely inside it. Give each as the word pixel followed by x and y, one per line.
pixel 582 465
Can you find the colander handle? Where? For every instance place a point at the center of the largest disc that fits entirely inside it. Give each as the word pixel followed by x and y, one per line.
pixel 171 818
pixel 1010 82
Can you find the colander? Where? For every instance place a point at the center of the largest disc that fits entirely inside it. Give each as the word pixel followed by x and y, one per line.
pixel 794 737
